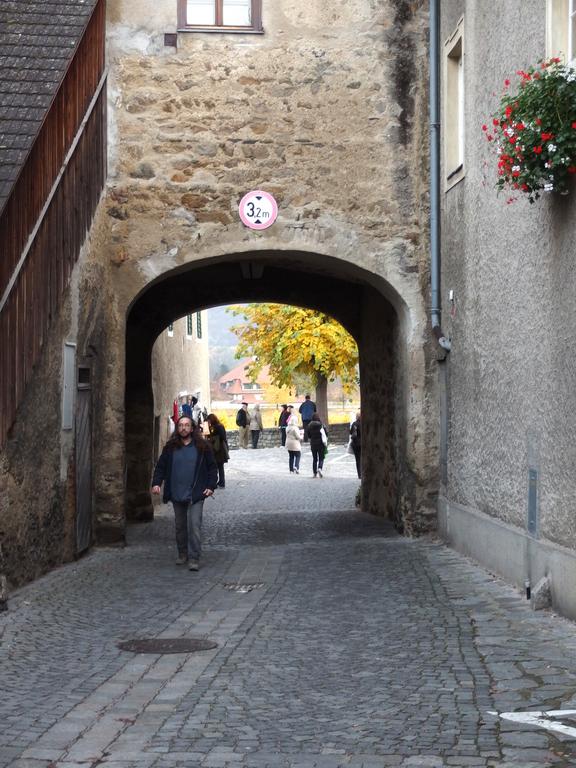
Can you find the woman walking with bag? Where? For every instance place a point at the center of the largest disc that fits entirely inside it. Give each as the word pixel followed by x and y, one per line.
pixel 293 444
pixel 316 433
pixel 219 441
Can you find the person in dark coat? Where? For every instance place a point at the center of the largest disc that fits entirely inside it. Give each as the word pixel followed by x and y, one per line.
pixel 317 446
pixel 306 411
pixel 188 470
pixel 243 422
pixel 356 441
pixel 218 439
pixel 283 423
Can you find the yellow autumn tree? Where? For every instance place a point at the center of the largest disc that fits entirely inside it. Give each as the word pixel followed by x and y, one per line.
pixel 292 340
pixel 275 394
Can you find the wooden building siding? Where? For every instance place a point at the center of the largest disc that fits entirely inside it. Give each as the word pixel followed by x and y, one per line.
pixel 36 294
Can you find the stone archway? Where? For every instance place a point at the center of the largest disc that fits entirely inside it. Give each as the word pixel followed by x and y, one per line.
pixel 399 480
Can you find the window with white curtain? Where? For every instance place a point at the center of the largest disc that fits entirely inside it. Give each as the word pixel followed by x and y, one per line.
pixel 235 15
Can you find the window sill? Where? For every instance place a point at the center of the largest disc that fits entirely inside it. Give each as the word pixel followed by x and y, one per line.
pixel 223 30
pixel 455 177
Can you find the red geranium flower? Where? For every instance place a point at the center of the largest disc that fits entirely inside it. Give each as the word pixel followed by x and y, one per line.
pixel 535 153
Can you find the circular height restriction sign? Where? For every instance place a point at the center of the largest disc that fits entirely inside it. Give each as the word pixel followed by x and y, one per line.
pixel 258 210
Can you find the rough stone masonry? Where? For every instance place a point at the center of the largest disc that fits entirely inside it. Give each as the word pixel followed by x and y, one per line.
pixel 326 110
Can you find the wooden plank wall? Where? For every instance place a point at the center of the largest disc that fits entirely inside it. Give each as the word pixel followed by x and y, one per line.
pixel 37 294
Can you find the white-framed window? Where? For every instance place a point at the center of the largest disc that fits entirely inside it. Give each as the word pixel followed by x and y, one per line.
pixel 454 101
pixel 189 326
pixel 223 15
pixel 561 30
pixel 170 330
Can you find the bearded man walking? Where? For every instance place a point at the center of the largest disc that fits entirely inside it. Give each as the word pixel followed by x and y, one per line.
pixel 188 470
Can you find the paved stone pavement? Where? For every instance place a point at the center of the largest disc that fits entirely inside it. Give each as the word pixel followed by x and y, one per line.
pixel 355 647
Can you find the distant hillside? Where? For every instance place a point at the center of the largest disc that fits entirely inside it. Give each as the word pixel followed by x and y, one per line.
pixel 222 341
pixel 219 322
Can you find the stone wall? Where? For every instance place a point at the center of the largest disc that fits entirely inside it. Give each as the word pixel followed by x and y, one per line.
pixel 326 110
pixel 37 464
pixel 338 434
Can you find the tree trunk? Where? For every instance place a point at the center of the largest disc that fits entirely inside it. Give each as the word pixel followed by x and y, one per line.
pixel 322 398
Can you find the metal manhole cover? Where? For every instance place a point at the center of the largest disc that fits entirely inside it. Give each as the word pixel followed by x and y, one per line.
pixel 167 645
pixel 243 588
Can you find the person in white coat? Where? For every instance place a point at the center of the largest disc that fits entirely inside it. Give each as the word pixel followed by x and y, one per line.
pixel 255 425
pixel 293 444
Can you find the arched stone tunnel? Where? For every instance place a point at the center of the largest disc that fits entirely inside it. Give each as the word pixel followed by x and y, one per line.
pixel 396 481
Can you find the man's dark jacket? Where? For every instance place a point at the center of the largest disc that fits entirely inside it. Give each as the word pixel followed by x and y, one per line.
pixel 205 475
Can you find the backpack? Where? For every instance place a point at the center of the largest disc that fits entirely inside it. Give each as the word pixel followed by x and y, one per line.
pixel 241 418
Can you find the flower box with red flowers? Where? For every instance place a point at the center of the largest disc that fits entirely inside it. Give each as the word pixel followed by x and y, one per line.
pixel 533 133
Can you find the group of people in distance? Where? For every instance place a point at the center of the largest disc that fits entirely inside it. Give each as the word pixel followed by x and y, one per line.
pixel 249 423
pixel 191 466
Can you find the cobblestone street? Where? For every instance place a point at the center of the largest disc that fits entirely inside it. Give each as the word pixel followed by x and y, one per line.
pixel 354 646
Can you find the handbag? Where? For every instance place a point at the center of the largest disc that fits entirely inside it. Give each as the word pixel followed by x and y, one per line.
pixel 225 453
pixel 324 437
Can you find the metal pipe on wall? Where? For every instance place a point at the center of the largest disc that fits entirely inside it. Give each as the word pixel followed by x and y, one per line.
pixel 435 255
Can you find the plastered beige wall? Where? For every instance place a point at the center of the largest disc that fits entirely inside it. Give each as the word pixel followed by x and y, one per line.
pixel 511 267
pixel 179 364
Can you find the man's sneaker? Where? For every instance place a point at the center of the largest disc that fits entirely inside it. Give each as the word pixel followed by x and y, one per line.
pixel 180 560
pixel 320 473
pixel 297 471
pixel 193 565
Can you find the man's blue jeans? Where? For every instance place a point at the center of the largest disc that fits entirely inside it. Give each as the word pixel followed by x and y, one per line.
pixel 188 518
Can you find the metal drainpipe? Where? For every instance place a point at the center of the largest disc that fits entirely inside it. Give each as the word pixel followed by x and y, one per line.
pixel 436 310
